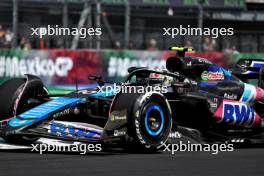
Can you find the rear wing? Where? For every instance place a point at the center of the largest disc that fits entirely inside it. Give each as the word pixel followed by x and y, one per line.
pixel 248 68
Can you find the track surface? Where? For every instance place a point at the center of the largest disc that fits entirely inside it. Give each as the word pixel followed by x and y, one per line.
pixel 241 162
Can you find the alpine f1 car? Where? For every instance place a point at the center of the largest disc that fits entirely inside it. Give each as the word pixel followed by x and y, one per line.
pixel 192 96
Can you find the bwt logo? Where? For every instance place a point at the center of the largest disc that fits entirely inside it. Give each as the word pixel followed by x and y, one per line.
pixel 237 113
pixel 60 129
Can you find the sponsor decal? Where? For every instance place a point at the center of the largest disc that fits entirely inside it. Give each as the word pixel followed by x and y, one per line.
pixel 137 114
pixel 202 60
pixel 118 115
pixel 213 105
pixel 230 96
pixel 139 134
pixel 67 130
pixel 204 76
pixel 212 76
pixel 62 113
pixel 119 133
pixel 238 113
pixel 175 135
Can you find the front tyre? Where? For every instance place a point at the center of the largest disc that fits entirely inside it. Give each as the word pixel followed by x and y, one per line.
pixel 17 96
pixel 151 121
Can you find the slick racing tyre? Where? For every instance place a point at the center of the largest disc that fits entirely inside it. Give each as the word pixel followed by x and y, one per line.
pixel 18 95
pixel 9 91
pixel 150 122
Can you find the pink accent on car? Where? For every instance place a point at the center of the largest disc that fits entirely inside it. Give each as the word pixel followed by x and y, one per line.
pixel 237 113
pixel 259 93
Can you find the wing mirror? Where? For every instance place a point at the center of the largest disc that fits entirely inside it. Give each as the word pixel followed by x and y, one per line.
pixel 97 78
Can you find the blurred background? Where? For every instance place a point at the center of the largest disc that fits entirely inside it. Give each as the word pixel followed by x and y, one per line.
pixel 132 35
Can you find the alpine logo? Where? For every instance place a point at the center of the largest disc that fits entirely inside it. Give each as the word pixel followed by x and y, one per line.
pixel 238 113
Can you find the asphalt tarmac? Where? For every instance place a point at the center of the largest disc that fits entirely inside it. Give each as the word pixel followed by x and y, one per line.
pixel 240 162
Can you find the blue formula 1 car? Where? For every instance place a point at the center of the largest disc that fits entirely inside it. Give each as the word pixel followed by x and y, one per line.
pixel 192 96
